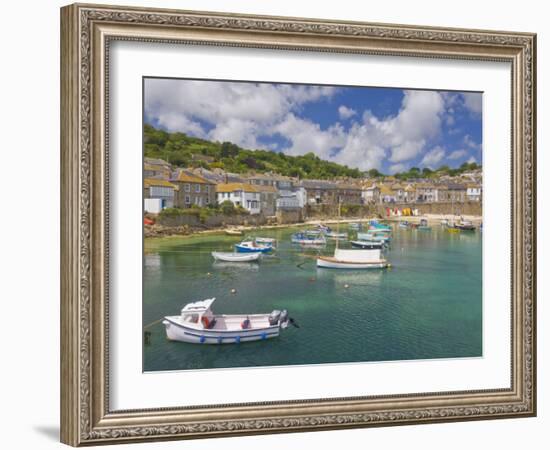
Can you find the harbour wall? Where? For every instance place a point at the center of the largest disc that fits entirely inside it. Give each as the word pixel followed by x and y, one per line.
pixel 212 221
pixel 290 216
pixel 466 208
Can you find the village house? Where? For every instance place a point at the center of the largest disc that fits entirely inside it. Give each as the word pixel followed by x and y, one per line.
pixel 240 194
pixel 442 193
pixel 268 199
pixel 158 194
pixel 399 192
pixel 410 193
pixel 321 192
pixel 193 189
pixel 370 194
pixel 425 192
pixel 456 192
pixel 156 168
pixel 292 199
pixel 387 194
pixel 473 192
pixel 280 182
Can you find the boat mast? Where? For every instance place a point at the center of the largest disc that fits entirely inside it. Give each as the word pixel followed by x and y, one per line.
pixel 338 225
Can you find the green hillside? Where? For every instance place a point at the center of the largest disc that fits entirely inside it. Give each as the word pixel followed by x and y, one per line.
pixel 182 150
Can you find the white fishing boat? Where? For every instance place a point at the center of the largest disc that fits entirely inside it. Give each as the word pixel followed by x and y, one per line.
pixel 233 232
pixel 353 259
pixel 236 257
pixel 304 239
pixel 315 232
pixel 335 235
pixel 266 240
pixel 465 225
pixel 199 325
pixel 373 237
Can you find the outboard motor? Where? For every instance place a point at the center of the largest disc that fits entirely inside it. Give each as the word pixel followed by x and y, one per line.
pixel 274 317
pixel 283 318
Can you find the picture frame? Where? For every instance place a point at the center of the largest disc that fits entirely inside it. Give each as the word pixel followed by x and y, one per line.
pixel 87 31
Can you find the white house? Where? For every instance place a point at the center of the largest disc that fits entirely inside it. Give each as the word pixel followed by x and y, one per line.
pixel 292 199
pixel 158 194
pixel 240 194
pixel 473 192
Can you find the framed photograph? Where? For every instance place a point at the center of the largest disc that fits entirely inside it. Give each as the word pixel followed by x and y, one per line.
pixel 277 224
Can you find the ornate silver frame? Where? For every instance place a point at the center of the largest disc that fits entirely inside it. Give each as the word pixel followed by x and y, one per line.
pixel 86 31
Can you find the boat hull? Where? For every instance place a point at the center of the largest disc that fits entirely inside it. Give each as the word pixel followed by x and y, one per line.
pixel 236 257
pixel 242 249
pixel 367 245
pixel 175 331
pixel 328 262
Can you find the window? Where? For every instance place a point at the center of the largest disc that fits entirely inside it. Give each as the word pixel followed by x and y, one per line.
pixel 187 187
pixel 187 200
pixel 207 189
pixel 207 200
pixel 197 187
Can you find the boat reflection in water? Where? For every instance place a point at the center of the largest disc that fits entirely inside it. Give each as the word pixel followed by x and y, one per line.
pixel 238 268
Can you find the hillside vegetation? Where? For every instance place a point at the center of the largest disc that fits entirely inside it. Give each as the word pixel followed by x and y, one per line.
pixel 182 150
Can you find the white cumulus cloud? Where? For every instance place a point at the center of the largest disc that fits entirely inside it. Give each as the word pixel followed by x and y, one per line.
pixel 433 157
pixel 345 113
pixel 250 113
pixel 473 102
pixel 457 154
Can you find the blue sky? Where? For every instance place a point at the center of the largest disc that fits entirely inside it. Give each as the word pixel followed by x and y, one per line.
pixel 388 129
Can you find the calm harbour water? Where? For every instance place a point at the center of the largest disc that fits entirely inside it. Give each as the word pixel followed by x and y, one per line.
pixel 428 305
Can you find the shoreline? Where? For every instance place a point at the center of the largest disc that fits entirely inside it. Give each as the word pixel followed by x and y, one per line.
pixel 433 219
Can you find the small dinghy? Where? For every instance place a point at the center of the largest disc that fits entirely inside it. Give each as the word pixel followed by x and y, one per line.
pixel 253 247
pixel 375 225
pixel 233 232
pixel 373 237
pixel 315 232
pixel 367 245
pixel 465 225
pixel 236 257
pixel 423 225
pixel 266 240
pixel 335 235
pixel 304 239
pixel 353 259
pixel 197 324
pixel 404 224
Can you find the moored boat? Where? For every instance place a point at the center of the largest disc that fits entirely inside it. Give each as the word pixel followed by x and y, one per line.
pixel 404 224
pixel 335 235
pixel 304 239
pixel 199 325
pixel 236 257
pixel 367 245
pixel 266 240
pixel 373 237
pixel 353 259
pixel 423 225
pixel 252 247
pixel 465 225
pixel 233 232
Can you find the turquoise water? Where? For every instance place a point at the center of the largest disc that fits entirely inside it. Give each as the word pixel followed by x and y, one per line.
pixel 428 305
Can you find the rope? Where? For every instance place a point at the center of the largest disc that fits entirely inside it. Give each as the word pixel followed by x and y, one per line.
pixel 152 323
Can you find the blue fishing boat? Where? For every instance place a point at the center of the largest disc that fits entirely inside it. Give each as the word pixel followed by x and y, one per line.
pixel 373 237
pixel 253 247
pixel 423 226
